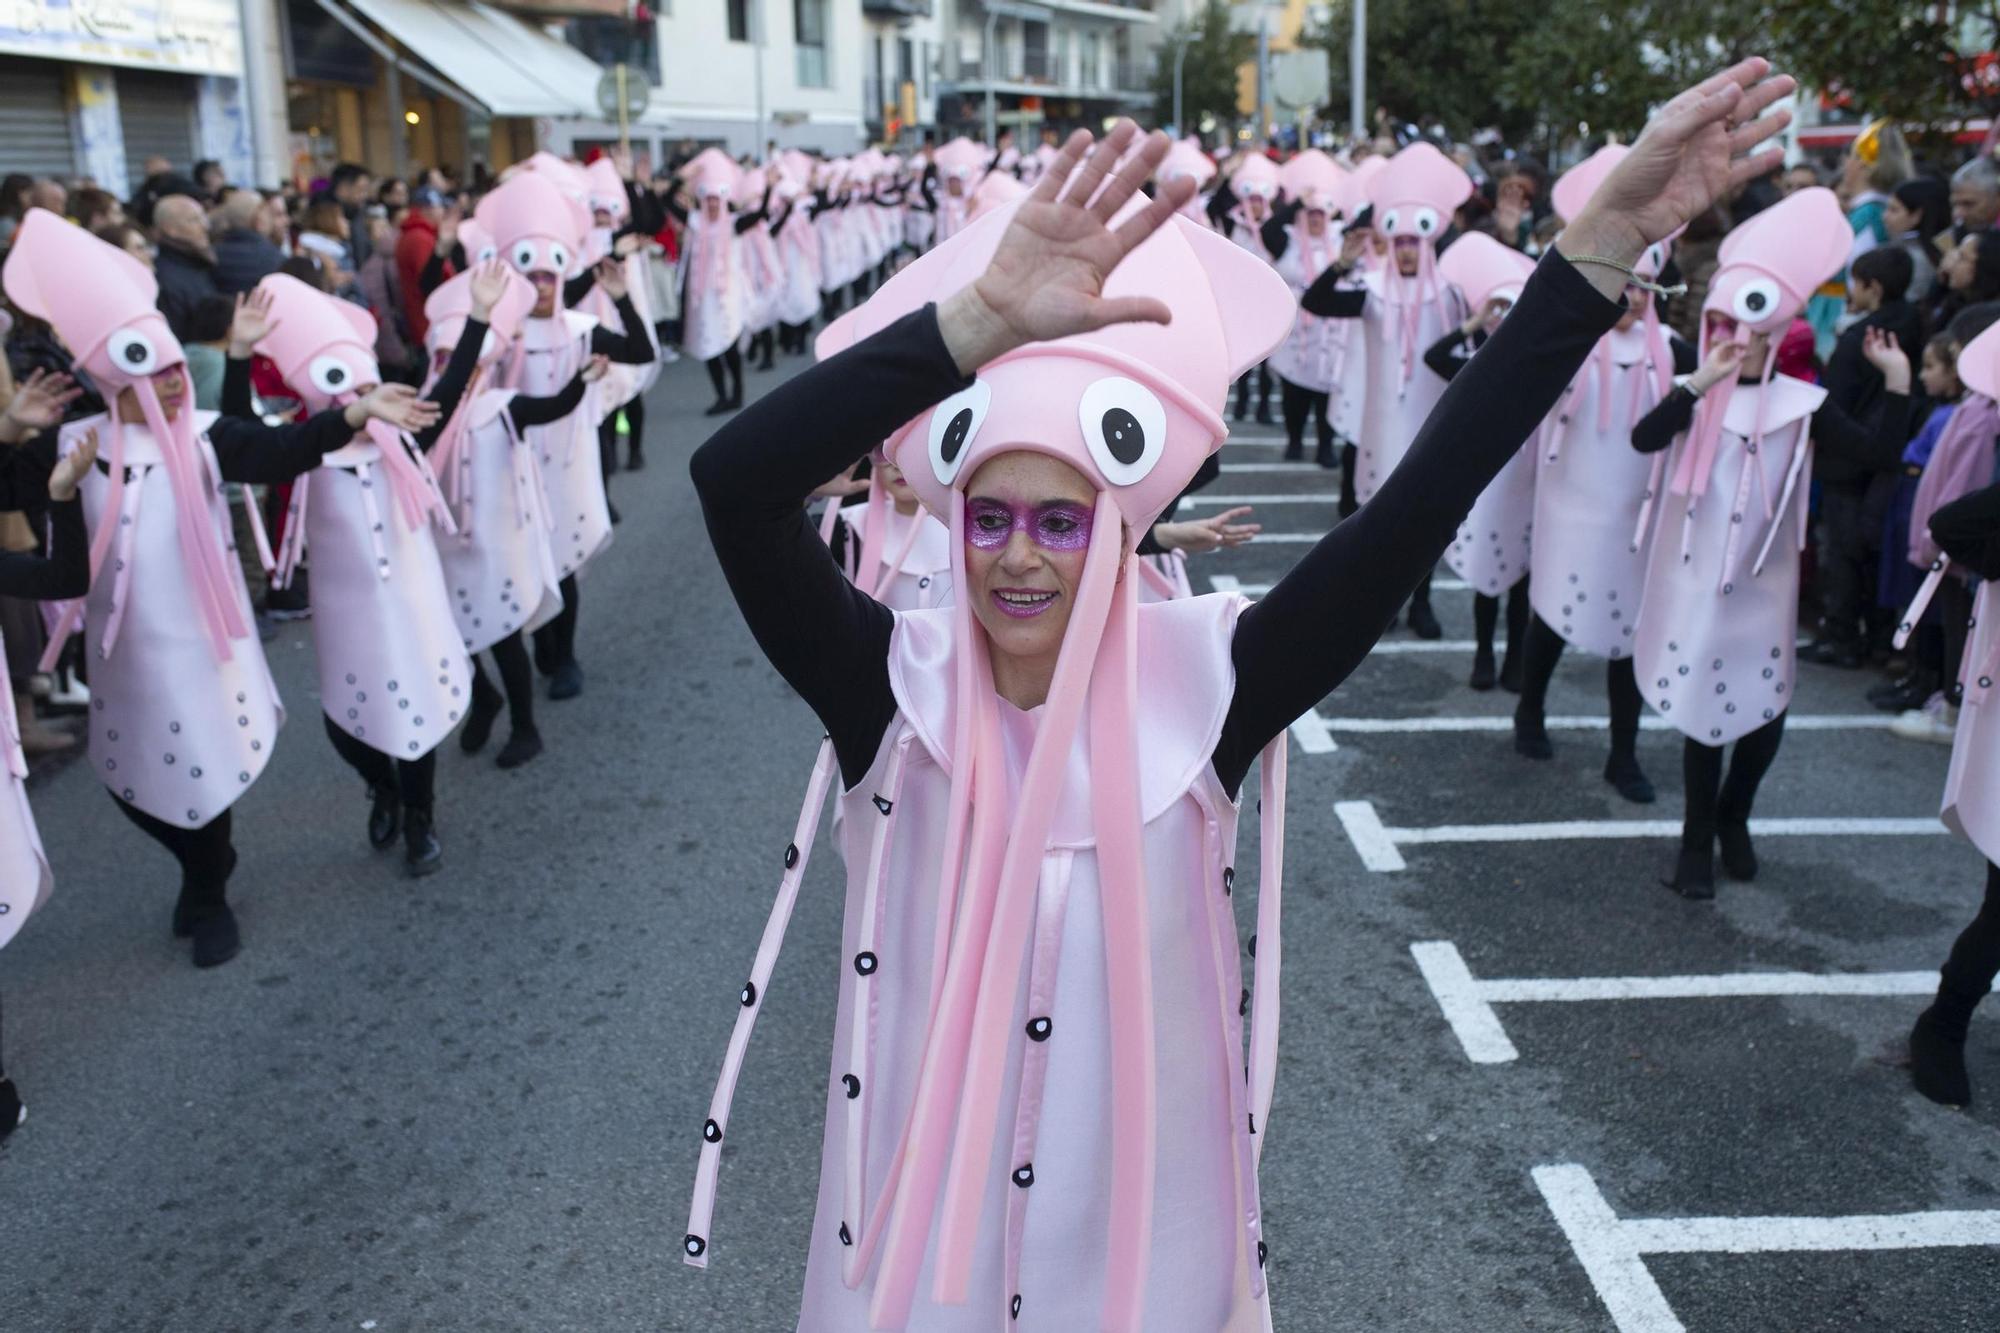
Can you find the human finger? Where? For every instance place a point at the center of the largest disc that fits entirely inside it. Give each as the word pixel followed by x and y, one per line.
pixel 1100 164
pixel 1229 515
pixel 1049 188
pixel 1153 216
pixel 1130 176
pixel 1125 310
pixel 1746 137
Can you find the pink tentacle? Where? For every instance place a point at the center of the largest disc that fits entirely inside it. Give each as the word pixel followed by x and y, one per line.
pixel 201 547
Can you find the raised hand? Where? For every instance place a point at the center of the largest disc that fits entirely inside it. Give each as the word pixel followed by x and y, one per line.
pixel 611 277
pixel 72 467
pixel 594 369
pixel 251 323
pixel 1724 362
pixel 488 285
pixel 844 485
pixel 1046 279
pixel 38 403
pixel 1883 352
pixel 1694 150
pixel 1202 535
pixel 396 404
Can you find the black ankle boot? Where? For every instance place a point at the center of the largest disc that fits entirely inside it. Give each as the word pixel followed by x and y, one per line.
pixel 1693 875
pixel 13 1112
pixel 185 906
pixel 384 815
pixel 1739 858
pixel 1264 417
pixel 1510 669
pixel 422 854
pixel 1295 452
pixel 1424 622
pixel 1937 1061
pixel 1531 736
pixel 1623 772
pixel 478 729
pixel 635 458
pixel 1325 457
pixel 1482 669
pixel 216 938
pixel 720 407
pixel 522 746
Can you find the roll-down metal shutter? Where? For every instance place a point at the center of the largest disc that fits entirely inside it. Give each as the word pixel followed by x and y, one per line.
pixel 156 112
pixel 34 119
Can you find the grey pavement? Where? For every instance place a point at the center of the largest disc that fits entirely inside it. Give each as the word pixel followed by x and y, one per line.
pixel 474 1101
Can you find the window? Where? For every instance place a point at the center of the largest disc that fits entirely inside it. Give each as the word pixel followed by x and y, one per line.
pixel 809 28
pixel 906 60
pixel 739 20
pixel 1093 46
pixel 616 41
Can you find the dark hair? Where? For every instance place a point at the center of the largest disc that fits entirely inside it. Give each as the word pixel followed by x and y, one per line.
pixel 119 234
pixel 1972 321
pixel 91 206
pixel 203 165
pixel 14 194
pixel 344 173
pixel 306 269
pixel 210 319
pixel 1944 348
pixel 1985 284
pixel 1930 199
pixel 1888 267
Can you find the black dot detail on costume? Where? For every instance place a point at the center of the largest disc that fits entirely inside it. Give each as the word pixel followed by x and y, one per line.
pixel 884 806
pixel 953 442
pixel 1039 1029
pixel 748 994
pixel 110 735
pixel 1228 881
pixel 174 727
pixel 1263 1253
pixel 1243 1005
pixel 711 1132
pixel 136 352
pixel 1024 1175
pixel 1014 1309
pixel 846 1236
pixel 791 855
pixel 852 1084
pixel 694 1245
pixel 1253 946
pixel 864 963
pixel 1253 1122
pixel 1124 436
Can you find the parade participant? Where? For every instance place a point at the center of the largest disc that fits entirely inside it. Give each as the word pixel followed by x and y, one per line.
pixel 539 231
pixel 1368 252
pixel 1715 645
pixel 37 406
pixel 1239 208
pixel 763 279
pixel 997 189
pixel 173 650
pixel 1587 563
pixel 1029 980
pixel 614 237
pixel 714 289
pixel 798 300
pixel 1968 531
pixel 960 164
pixel 1185 159
pixel 393 677
pixel 1405 308
pixel 1491 550
pixel 1303 242
pixel 836 244
pixel 498 565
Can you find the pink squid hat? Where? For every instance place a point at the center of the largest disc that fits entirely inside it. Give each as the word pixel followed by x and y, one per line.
pixel 1185 158
pixel 1135 408
pixel 998 188
pixel 476 241
pixel 570 178
pixel 449 309
pixel 534 225
pixel 961 158
pixel 1769 267
pixel 607 189
pixel 323 348
pixel 711 172
pixel 1258 176
pixel 1415 195
pixel 750 187
pixel 797 166
pixel 1317 181
pixel 102 303
pixel 1483 269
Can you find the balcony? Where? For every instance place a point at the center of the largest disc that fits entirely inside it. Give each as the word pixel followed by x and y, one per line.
pixel 1043 73
pixel 897 9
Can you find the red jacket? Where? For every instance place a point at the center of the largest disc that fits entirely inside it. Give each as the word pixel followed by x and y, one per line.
pixel 413 251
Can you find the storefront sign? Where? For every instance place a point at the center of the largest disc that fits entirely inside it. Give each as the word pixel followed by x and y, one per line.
pixel 194 36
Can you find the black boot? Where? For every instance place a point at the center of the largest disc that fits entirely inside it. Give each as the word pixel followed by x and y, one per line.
pixel 422 855
pixel 13 1112
pixel 1295 452
pixel 1937 1059
pixel 216 938
pixel 524 744
pixel 1264 417
pixel 185 906
pixel 1510 668
pixel 566 681
pixel 1424 622
pixel 384 815
pixel 635 457
pixel 1739 858
pixel 486 705
pixel 1482 668
pixel 1623 772
pixel 1531 736
pixel 720 407
pixel 1325 457
pixel 1693 875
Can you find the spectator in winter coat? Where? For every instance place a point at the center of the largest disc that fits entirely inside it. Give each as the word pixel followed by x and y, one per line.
pixel 243 257
pixel 414 247
pixel 185 265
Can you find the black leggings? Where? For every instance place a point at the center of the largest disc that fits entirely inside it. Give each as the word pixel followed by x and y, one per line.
pixel 1298 404
pixel 1261 373
pixel 732 361
pixel 1486 614
pixel 1974 961
pixel 1348 504
pixel 204 853
pixel 762 344
pixel 555 642
pixel 415 780
pixel 635 430
pixel 1714 799
pixel 517 679
pixel 1543 648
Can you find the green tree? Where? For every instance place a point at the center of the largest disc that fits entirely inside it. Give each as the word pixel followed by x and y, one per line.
pixel 1441 59
pixel 1208 74
pixel 1890 57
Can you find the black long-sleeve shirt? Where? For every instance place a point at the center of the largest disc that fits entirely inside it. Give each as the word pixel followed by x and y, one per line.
pixel 65 570
pixel 1968 530
pixel 524 410
pixel 1835 434
pixel 831 642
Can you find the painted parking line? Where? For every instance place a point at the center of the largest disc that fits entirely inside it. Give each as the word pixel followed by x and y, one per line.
pixel 1613 1250
pixel 1297 498
pixel 1370 726
pixel 1380 846
pixel 1230 583
pixel 1467 1001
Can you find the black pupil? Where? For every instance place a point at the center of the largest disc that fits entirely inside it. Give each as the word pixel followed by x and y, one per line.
pixel 335 376
pixel 135 352
pixel 1755 300
pixel 1124 436
pixel 955 433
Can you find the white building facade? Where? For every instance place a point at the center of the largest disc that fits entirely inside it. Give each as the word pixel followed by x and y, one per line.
pixel 1045 64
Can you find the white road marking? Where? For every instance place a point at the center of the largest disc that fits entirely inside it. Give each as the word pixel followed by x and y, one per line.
pixel 1230 583
pixel 1364 829
pixel 1467 1001
pixel 1305 498
pixel 1311 734
pixel 1379 845
pixel 1297 469
pixel 1505 722
pixel 1612 1250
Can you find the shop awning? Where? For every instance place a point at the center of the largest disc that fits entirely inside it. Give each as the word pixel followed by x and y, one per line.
pixel 503 64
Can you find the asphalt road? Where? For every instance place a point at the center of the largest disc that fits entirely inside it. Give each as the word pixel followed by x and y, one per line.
pixel 474 1102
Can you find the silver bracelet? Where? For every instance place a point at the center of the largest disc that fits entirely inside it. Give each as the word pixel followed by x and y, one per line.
pixel 1632 277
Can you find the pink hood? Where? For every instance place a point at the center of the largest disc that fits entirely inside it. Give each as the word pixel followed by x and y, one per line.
pixel 534 225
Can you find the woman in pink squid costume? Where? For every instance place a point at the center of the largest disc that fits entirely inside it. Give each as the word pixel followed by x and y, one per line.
pixel 1304 242
pixel 714 287
pixel 763 277
pixel 1491 552
pixel 960 165
pixel 1239 208
pixel 1368 250
pixel 183 709
pixel 613 237
pixel 540 232
pixel 63 574
pixel 1714 650
pixel 840 265
pixel 798 299
pixel 996 191
pixel 393 676
pixel 498 566
pixel 1038 1043
pixel 1592 492
pixel 1185 158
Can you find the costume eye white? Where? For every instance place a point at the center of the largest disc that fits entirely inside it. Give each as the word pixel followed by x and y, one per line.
pixel 487 253
pixel 1125 427
pixel 954 424
pixel 132 352
pixel 330 374
pixel 558 258
pixel 524 256
pixel 1756 301
pixel 1426 221
pixel 1388 220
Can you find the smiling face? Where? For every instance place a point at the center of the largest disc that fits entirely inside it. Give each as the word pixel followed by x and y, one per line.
pixel 1027 529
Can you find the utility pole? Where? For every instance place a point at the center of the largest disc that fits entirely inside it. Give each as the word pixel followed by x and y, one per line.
pixel 1357 72
pixel 1180 62
pixel 1263 70
pixel 757 72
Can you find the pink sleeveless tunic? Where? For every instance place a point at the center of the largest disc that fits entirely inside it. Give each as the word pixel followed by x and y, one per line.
pixel 498 568
pixel 25 881
pixel 572 478
pixel 1395 407
pixel 1972 787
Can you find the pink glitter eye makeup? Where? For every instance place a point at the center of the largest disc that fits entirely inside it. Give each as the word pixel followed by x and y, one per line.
pixel 1061 526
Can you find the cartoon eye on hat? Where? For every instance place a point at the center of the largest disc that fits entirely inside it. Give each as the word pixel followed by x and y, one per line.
pixel 1124 426
pixel 954 424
